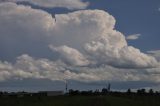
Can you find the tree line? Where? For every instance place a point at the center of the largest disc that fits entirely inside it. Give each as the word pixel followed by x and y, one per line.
pixel 105 91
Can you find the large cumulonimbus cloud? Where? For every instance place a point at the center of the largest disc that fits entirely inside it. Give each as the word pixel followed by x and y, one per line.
pixel 69 4
pixel 93 31
pixel 83 38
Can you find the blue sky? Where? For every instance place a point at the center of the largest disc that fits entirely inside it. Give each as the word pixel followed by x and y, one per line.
pixel 47 43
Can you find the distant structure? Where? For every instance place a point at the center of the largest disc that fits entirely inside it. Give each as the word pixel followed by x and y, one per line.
pixel 66 86
pixel 109 87
pixel 51 93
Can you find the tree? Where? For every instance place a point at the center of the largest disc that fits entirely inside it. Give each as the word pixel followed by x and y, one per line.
pixel 129 91
pixel 151 92
pixel 141 91
pixel 104 91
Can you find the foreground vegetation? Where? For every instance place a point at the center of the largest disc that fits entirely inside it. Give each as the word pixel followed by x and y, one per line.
pixel 105 97
pixel 82 100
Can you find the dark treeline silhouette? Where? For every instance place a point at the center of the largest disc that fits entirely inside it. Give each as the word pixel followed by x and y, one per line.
pixel 71 92
pixel 104 91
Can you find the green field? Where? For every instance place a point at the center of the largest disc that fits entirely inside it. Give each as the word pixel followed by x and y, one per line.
pixel 81 101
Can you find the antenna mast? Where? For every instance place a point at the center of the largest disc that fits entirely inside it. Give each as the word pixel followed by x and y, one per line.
pixel 66 85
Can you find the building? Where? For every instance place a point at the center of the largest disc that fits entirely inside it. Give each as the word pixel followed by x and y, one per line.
pixel 51 93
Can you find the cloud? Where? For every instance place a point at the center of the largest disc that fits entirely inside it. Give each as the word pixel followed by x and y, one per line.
pixel 155 53
pixel 133 37
pixel 4 70
pixel 87 33
pixel 70 55
pixel 69 4
pixel 158 9
pixel 21 27
pixel 110 46
pixel 83 38
pixel 27 67
pixel 77 28
pixel 122 57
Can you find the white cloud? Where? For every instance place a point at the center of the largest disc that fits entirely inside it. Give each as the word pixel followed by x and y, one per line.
pixel 155 53
pixel 25 19
pixel 23 28
pixel 70 55
pixel 80 38
pixel 4 70
pixel 92 29
pixel 29 67
pixel 124 57
pixel 70 4
pixel 133 37
pixel 80 27
pixel 110 46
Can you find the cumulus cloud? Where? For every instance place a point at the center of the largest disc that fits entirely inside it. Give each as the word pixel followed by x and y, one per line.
pixel 70 55
pixel 77 28
pixel 29 67
pixel 89 32
pixel 83 38
pixel 20 20
pixel 4 70
pixel 70 4
pixel 133 37
pixel 124 57
pixel 21 27
pixel 110 46
pixel 155 53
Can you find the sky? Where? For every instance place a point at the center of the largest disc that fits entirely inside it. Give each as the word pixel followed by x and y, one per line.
pixel 89 43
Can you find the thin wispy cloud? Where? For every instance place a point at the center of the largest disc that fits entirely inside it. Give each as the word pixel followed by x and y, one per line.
pixel 133 36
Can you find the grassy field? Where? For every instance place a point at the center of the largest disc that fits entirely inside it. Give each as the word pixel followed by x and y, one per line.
pixel 80 101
